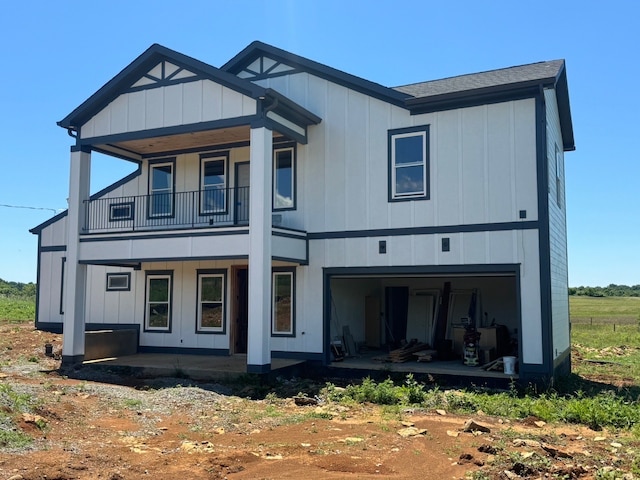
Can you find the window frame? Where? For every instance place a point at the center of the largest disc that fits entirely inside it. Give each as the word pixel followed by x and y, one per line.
pixel 283 148
pixel 211 157
pixel 150 274
pixel 211 273
pixel 161 162
pixel 291 272
pixel 392 135
pixel 113 218
pixel 111 275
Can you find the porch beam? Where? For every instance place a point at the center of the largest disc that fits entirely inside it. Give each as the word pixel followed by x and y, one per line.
pixel 259 331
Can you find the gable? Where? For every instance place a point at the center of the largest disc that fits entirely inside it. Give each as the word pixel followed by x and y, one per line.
pixel 265 67
pixel 164 73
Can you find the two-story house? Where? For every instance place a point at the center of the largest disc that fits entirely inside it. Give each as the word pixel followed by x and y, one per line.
pixel 278 200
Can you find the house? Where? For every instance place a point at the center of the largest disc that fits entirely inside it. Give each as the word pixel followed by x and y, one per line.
pixel 278 200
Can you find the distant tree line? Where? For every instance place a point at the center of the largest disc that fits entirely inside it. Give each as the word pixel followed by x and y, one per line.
pixel 612 290
pixel 17 289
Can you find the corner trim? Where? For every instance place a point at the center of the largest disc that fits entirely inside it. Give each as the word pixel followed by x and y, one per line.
pixel 259 369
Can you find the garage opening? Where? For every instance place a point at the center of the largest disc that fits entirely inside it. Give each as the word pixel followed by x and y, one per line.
pixel 422 323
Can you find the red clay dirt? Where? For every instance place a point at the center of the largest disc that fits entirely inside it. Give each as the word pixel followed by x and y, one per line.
pixel 118 429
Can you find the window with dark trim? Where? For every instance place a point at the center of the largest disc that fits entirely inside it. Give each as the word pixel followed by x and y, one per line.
pixel 213 183
pixel 211 301
pixel 161 188
pixel 120 211
pixel 283 303
pixel 118 282
pixel 409 163
pixel 284 174
pixel 158 293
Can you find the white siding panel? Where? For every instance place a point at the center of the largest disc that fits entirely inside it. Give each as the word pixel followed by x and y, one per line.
pixel 377 168
pixel 525 157
pixel 154 108
pixel 136 111
pixel 119 114
pixel 356 165
pixel 192 102
pixel 232 103
pixel 211 101
pixel 102 123
pixel 172 105
pixel 446 193
pixel 500 152
pixel 314 180
pixel 473 165
pixel 335 184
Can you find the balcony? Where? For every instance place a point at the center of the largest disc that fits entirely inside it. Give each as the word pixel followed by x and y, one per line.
pixel 217 207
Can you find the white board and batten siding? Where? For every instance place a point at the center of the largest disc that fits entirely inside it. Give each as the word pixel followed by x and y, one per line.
pixel 180 104
pixel 557 228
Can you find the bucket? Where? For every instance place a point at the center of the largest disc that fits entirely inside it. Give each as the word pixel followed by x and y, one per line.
pixel 509 365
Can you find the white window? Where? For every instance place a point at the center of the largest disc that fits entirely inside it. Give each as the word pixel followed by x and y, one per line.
pixel 284 179
pixel 161 189
pixel 211 292
pixel 118 282
pixel 408 163
pixel 158 302
pixel 282 314
pixel 213 185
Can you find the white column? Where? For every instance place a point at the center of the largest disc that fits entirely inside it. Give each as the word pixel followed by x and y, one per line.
pixel 259 334
pixel 76 274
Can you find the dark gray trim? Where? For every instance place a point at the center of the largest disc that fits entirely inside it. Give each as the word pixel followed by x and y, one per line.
pixel 167 131
pixel 38 284
pixel 202 150
pixel 37 229
pixel 164 82
pixel 52 327
pixel 116 152
pixel 259 369
pixel 118 274
pixel 80 148
pixel 62 265
pixel 92 327
pixel 288 235
pixel 219 352
pixel 236 204
pixel 212 271
pixel 54 248
pixel 121 204
pixel 294 292
pixel 294 176
pixel 274 125
pixel 135 262
pixel 150 165
pixel 292 111
pixel 214 156
pixel 139 67
pixel 71 360
pixel 391 164
pixel 393 232
pixel 542 175
pixel 289 259
pixel 151 273
pixel 89 238
pixel 318 357
pixel 257 49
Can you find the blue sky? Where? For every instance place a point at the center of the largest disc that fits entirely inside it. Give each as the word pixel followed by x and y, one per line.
pixel 53 56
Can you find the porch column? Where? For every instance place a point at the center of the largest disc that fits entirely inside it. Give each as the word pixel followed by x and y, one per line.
pixel 259 334
pixel 75 273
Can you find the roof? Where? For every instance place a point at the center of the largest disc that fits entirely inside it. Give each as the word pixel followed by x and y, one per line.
pixel 495 85
pixel 492 78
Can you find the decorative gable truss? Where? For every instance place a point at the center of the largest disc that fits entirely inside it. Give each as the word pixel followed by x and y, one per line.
pixel 265 67
pixel 163 74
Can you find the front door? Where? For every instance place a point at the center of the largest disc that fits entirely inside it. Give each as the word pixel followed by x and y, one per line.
pixel 241 324
pixel 242 193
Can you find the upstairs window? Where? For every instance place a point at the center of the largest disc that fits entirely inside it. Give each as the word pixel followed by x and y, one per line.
pixel 409 163
pixel 213 184
pixel 284 197
pixel 161 181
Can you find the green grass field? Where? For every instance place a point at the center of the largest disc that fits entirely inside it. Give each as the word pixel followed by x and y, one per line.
pixel 622 309
pixel 17 310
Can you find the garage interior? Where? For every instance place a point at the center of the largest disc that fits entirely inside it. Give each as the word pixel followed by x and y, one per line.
pixel 375 318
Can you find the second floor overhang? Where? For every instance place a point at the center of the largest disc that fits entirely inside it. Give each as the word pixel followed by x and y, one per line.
pixel 165 102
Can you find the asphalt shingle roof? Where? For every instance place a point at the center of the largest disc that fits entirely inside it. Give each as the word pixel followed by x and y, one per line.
pixel 505 76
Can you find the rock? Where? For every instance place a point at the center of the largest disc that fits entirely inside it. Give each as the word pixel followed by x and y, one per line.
pixel 616 445
pixel 599 439
pixel 539 423
pixel 16 477
pixel 452 433
pixel 526 455
pixel 441 412
pixel 219 431
pixel 555 451
pixel 306 445
pixel 302 401
pixel 465 458
pixel 510 475
pixel 35 419
pixel 271 456
pixel 486 448
pixel 519 442
pixel 411 432
pixel 353 440
pixel 473 426
pixel 407 424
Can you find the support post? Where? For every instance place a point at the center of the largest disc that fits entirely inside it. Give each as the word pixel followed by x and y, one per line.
pixel 76 273
pixel 259 334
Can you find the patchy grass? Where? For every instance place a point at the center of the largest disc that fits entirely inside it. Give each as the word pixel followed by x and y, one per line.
pixel 17 310
pixel 12 404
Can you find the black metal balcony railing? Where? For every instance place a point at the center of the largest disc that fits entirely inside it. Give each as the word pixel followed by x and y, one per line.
pixel 217 207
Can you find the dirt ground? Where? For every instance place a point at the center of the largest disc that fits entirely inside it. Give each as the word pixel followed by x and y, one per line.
pixel 105 427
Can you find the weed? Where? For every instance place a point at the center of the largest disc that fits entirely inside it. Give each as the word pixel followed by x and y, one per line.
pixel 132 403
pixel 13 439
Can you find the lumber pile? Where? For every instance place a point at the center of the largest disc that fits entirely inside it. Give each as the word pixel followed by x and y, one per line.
pixel 425 355
pixel 406 353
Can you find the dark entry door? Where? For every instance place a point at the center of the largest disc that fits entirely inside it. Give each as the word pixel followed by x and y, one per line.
pixel 397 306
pixel 242 309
